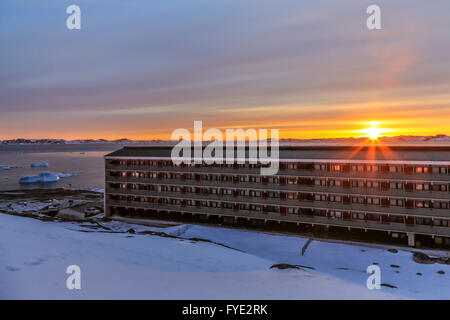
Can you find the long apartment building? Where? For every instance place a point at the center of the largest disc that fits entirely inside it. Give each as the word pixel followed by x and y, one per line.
pixel 401 193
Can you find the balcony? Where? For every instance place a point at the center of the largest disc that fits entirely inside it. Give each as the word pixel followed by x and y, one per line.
pixel 324 205
pixel 289 172
pixel 246 214
pixel 395 193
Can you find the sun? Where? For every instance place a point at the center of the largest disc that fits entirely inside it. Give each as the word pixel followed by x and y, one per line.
pixel 373 132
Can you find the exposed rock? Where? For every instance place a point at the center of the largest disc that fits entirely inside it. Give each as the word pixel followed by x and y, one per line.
pixel 393 250
pixel 421 257
pixel 283 266
pixel 443 260
pixel 388 285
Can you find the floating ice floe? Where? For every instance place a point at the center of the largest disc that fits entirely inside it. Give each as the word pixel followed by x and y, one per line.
pixel 3 167
pixel 100 190
pixel 46 176
pixel 39 164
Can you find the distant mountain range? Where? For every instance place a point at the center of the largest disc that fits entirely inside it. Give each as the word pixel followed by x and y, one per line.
pixel 439 139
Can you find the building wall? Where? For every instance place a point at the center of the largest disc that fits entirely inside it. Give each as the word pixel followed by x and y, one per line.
pixel 395 198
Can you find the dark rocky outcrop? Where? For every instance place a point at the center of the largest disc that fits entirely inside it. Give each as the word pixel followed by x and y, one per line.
pixel 388 285
pixel 283 266
pixel 422 258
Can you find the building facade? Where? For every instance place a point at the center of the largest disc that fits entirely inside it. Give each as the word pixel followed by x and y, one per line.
pixel 401 193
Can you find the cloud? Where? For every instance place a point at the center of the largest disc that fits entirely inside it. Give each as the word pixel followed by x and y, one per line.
pixel 225 61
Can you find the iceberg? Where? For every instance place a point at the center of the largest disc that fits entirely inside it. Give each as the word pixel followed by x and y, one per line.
pixel 45 176
pixel 66 175
pixel 39 164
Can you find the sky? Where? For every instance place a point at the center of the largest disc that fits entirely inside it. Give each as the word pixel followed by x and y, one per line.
pixel 143 68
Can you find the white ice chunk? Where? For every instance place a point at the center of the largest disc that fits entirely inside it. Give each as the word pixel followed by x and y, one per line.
pixel 45 176
pixel 39 164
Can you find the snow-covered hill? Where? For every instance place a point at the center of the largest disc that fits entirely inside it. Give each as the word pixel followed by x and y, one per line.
pixel 34 256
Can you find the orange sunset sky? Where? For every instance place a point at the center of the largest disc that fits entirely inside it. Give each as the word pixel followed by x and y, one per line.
pixel 144 68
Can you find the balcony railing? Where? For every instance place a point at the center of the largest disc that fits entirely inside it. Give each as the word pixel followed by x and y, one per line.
pixel 315 220
pixel 320 205
pixel 419 177
pixel 362 192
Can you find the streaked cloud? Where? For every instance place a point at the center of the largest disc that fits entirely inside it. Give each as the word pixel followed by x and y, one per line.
pixel 143 68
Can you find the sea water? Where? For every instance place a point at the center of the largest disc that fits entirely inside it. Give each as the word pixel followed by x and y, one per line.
pixel 86 161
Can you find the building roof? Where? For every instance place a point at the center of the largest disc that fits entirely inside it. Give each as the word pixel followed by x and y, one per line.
pixel 362 154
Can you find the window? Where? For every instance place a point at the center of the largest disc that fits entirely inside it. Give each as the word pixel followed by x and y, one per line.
pixel 393 169
pixel 396 185
pixel 440 187
pixel 335 183
pixel 273 180
pixel 255 207
pixel 373 184
pixel 335 198
pixel 226 191
pixel 440 205
pixel 320 197
pixel 336 167
pixel 375 201
pixel 396 202
pixel 335 214
pixel 422 169
pixel 358 200
pixel 227 205
pixel 423 204
pixel 320 182
pixel 422 186
pixel 254 193
pixel 321 167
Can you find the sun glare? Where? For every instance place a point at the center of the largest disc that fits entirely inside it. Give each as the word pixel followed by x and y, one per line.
pixel 373 133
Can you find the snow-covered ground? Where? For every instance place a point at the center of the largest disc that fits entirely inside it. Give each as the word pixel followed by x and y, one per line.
pixel 114 264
